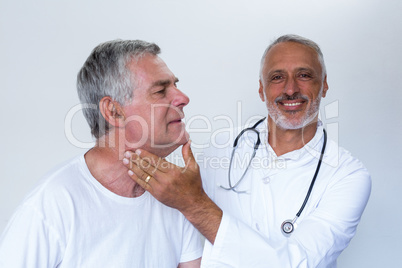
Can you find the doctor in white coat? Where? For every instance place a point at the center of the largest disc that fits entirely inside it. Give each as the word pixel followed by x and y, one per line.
pixel 295 201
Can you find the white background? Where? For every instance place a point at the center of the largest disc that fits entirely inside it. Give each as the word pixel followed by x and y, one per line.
pixel 214 47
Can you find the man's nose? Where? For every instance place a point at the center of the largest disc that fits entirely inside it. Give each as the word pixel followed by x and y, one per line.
pixel 291 86
pixel 180 99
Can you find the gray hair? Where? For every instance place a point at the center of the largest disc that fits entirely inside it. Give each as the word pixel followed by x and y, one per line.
pixel 105 73
pixel 296 39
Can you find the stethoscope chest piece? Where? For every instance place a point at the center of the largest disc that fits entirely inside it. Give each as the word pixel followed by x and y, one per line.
pixel 288 226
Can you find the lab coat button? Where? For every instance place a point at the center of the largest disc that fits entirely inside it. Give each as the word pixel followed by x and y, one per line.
pixel 257 226
pixel 266 180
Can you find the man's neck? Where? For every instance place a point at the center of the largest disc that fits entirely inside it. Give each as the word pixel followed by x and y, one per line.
pixel 105 164
pixel 283 141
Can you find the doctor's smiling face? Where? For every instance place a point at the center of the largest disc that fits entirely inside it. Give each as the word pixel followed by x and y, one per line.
pixel 292 83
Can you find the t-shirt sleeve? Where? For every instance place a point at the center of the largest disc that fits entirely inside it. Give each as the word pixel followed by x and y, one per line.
pixel 29 245
pixel 192 246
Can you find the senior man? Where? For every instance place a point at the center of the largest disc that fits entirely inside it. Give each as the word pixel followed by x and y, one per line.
pixel 89 212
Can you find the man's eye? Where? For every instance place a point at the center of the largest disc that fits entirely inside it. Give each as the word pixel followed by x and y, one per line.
pixel 277 79
pixel 305 76
pixel 163 91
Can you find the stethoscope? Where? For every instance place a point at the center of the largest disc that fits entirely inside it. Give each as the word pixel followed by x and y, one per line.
pixel 287 226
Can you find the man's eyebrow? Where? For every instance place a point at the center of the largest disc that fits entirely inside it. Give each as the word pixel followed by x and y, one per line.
pixel 275 72
pixel 164 83
pixel 299 69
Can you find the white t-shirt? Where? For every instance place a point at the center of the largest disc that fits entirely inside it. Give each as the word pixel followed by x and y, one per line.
pixel 274 189
pixel 71 220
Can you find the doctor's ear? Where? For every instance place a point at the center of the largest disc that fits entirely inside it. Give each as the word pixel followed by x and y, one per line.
pixel 325 87
pixel 261 91
pixel 112 111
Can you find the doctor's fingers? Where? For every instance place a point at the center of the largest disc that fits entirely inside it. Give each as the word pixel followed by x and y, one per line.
pixel 145 180
pixel 147 162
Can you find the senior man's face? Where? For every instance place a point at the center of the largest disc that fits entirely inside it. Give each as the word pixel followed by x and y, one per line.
pixel 154 117
pixel 292 85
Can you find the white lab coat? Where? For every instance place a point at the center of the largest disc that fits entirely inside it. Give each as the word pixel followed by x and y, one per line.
pixel 250 231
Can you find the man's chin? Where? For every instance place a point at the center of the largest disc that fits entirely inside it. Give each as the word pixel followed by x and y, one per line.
pixel 186 137
pixel 293 124
pixel 167 148
pixel 183 140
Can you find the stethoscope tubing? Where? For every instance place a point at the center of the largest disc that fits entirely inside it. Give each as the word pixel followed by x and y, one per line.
pixel 256 145
pixel 287 226
pixel 315 174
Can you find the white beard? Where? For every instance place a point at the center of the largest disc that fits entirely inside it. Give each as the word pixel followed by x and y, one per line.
pixel 283 121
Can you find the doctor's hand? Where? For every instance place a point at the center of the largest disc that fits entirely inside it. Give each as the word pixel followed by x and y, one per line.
pixel 174 186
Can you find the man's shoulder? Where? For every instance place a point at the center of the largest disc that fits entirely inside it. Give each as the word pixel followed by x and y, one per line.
pixel 344 161
pixel 57 180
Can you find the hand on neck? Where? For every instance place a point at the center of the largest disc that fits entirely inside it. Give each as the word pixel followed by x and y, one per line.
pixel 104 161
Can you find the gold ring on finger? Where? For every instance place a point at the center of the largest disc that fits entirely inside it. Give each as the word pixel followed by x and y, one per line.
pixel 148 178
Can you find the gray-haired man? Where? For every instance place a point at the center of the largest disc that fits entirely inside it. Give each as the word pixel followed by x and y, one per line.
pixel 89 212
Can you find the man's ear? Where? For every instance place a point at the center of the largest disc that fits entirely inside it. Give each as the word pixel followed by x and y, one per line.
pixel 326 87
pixel 261 91
pixel 112 111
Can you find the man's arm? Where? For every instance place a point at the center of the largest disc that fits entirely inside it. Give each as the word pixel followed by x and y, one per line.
pixel 318 240
pixel 190 264
pixel 176 187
